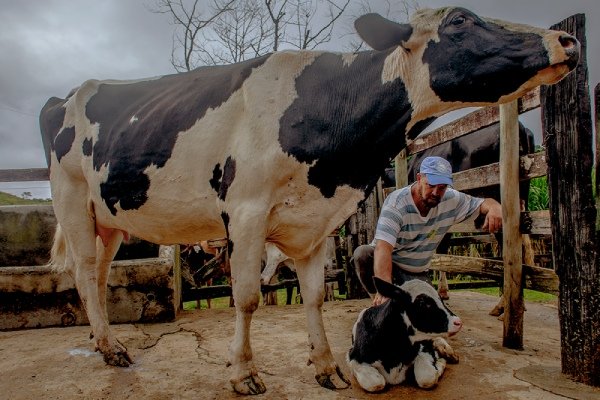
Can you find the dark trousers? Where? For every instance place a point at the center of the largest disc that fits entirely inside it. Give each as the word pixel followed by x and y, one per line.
pixel 363 263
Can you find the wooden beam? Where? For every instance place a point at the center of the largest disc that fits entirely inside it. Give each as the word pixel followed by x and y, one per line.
pixel 24 175
pixel 536 278
pixel 471 122
pixel 530 166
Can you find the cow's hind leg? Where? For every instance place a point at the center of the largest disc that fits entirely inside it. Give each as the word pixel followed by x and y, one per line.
pixel 78 233
pixel 245 273
pixel 105 254
pixel 311 276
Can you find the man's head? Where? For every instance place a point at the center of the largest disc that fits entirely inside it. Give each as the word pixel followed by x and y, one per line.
pixel 434 177
pixel 437 170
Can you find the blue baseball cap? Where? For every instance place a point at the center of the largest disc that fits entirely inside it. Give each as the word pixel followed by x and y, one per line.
pixel 437 170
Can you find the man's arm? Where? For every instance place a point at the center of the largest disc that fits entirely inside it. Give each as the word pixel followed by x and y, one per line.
pixel 493 215
pixel 382 266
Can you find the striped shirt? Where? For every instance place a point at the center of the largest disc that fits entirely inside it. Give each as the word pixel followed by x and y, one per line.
pixel 416 237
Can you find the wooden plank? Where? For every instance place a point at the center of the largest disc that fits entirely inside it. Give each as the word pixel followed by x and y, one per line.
pixel 471 122
pixel 540 224
pixel 536 278
pixel 530 166
pixel 512 250
pixel 24 175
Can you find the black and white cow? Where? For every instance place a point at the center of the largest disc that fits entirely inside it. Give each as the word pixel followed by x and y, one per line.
pixel 402 335
pixel 276 149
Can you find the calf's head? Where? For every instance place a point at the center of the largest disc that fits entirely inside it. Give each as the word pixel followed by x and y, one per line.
pixel 422 308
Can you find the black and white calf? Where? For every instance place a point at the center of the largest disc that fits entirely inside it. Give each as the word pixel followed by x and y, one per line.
pixel 403 333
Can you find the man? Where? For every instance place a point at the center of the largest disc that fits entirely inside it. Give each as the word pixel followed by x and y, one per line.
pixel 412 223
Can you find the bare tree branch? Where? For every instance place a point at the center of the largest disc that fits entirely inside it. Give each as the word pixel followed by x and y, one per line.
pixel 210 32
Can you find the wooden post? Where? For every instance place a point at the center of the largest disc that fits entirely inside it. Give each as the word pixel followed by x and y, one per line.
pixel 566 120
pixel 401 170
pixel 597 171
pixel 511 237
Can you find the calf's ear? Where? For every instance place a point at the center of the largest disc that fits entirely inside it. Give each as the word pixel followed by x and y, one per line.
pixel 381 33
pixel 387 289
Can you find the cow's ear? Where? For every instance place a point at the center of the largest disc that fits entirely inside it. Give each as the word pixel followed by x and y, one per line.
pixel 381 33
pixel 387 289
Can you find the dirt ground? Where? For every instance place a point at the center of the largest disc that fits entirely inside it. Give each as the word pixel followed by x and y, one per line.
pixel 186 359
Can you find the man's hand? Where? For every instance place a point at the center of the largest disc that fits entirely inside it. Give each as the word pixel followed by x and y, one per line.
pixel 379 299
pixel 493 215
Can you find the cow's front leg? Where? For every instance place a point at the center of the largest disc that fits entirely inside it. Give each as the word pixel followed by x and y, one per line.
pixel 311 276
pixel 245 273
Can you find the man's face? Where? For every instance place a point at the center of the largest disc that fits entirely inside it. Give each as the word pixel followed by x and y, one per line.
pixel 431 194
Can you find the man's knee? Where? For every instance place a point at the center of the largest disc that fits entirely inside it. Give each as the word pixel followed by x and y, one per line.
pixel 363 254
pixel 363 265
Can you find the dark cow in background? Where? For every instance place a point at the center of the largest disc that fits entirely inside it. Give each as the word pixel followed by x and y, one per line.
pixel 276 149
pixel 475 149
pixel 401 336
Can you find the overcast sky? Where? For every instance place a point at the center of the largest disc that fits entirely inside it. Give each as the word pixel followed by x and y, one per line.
pixel 49 47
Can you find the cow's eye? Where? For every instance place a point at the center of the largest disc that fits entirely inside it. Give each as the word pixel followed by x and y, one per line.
pixel 459 20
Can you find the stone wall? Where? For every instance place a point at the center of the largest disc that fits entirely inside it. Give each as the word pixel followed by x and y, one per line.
pixel 143 288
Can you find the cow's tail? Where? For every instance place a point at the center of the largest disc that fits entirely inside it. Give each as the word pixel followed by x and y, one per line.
pixel 58 254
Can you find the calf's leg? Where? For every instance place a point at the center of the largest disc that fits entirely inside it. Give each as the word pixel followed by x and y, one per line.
pixel 428 369
pixel 367 376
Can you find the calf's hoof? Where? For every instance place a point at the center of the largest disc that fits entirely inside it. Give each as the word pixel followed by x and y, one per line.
pixel 250 385
pixel 445 350
pixel 334 381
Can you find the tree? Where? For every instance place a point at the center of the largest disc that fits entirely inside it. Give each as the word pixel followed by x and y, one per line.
pixel 228 31
pixel 191 19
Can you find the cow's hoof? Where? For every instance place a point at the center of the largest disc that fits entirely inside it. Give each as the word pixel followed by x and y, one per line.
pixel 335 381
pixel 251 385
pixel 118 359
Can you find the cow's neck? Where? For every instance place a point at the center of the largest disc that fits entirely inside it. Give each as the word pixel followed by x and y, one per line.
pixel 356 124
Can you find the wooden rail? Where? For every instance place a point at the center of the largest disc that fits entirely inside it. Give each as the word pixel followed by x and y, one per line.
pixel 24 175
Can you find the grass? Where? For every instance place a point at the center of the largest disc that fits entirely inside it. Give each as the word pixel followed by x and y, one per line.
pixel 538 194
pixel 528 295
pixel 7 199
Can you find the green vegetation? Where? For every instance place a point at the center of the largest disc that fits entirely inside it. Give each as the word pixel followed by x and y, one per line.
pixel 7 199
pixel 528 295
pixel 538 194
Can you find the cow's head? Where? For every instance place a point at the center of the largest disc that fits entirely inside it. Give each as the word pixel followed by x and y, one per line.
pixel 450 58
pixel 422 308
